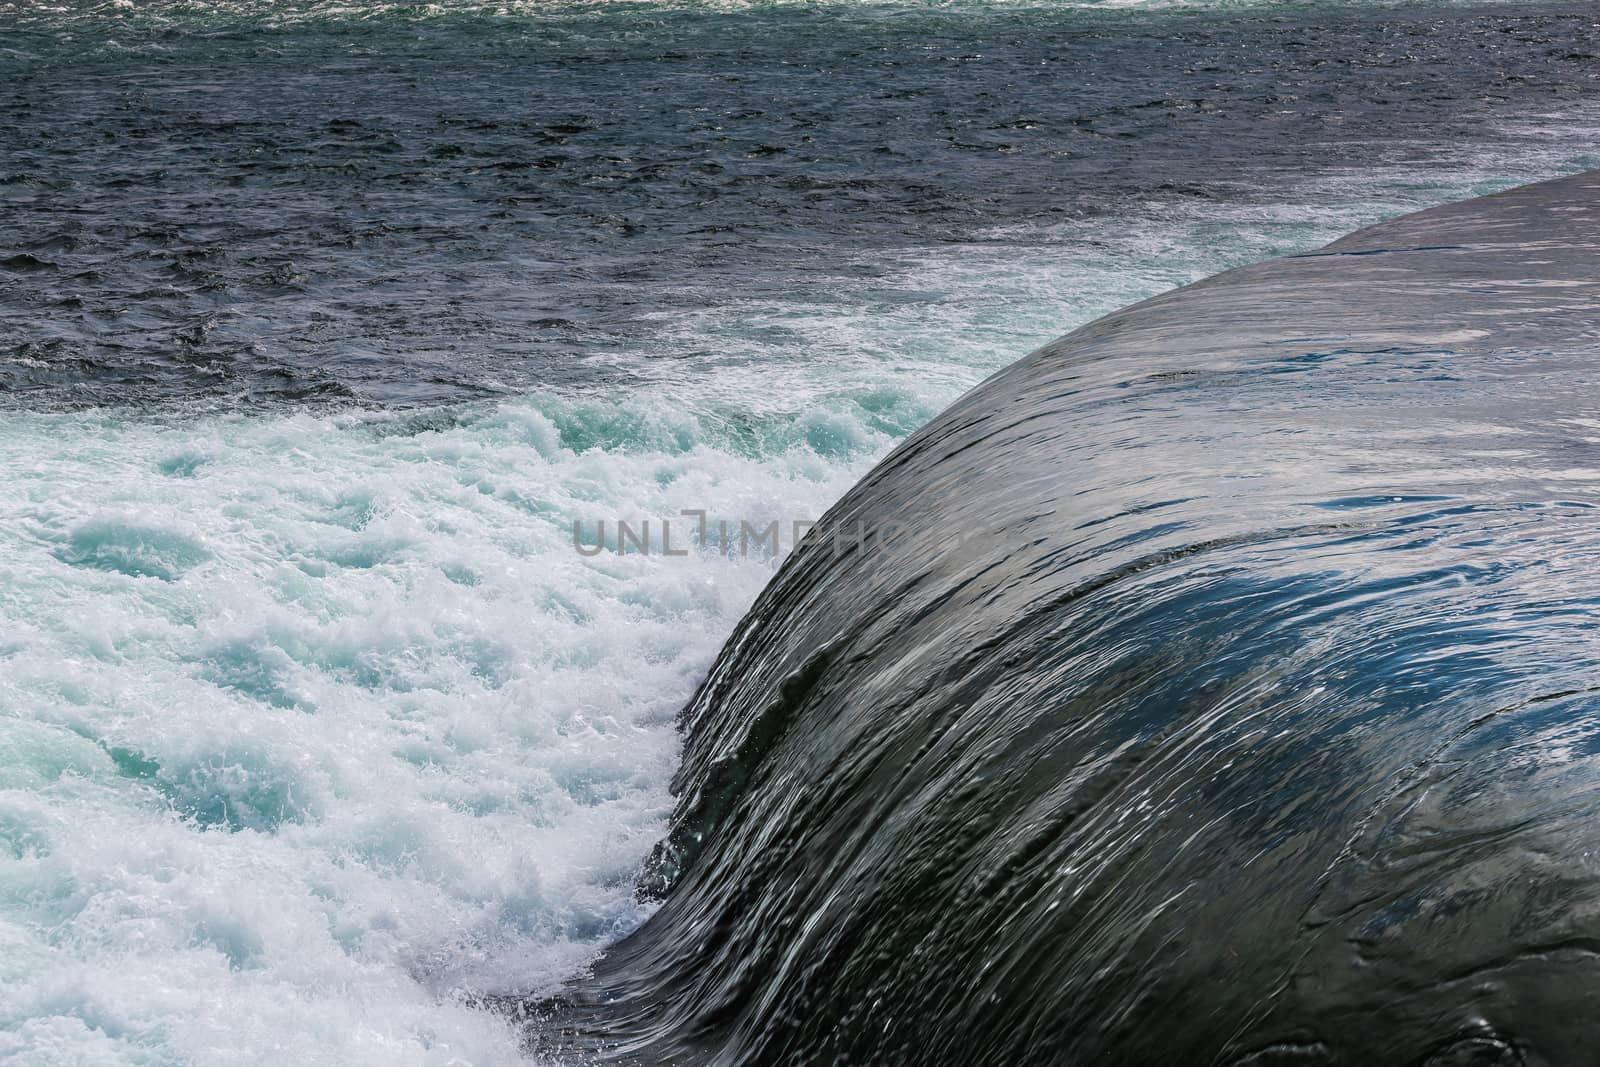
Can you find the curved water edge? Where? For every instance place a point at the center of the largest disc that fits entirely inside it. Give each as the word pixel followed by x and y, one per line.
pixel 1224 695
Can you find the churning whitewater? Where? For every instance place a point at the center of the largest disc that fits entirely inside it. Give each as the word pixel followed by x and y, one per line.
pixel 321 327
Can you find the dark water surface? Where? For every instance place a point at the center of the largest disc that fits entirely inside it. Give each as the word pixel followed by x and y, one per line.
pixel 399 207
pixel 1261 726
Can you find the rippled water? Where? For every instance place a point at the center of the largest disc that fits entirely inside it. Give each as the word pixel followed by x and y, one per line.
pixel 415 206
pixel 319 325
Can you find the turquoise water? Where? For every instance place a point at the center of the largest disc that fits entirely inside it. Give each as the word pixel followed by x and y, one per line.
pixel 315 727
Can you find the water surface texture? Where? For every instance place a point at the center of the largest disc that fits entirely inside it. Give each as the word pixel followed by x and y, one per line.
pixel 320 324
pixel 1258 723
pixel 381 206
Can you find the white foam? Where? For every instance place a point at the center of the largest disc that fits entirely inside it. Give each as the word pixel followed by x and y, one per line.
pixel 310 728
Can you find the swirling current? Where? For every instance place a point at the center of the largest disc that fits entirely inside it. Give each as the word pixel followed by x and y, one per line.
pixel 1254 721
pixel 323 322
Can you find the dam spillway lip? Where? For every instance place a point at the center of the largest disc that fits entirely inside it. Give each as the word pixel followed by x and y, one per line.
pixel 1267 735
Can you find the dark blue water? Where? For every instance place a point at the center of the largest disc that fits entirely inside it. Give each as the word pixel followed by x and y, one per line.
pixel 399 206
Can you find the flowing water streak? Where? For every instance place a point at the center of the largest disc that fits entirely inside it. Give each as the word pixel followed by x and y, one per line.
pixel 1260 726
